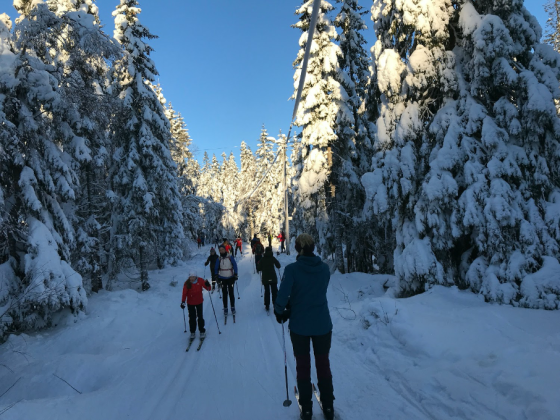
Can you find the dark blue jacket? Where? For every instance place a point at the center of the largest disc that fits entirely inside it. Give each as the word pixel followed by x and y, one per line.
pixel 305 285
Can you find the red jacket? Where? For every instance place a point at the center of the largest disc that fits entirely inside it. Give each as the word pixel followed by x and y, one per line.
pixel 239 243
pixel 194 294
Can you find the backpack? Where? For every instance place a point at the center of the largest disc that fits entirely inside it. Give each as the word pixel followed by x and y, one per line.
pixel 259 249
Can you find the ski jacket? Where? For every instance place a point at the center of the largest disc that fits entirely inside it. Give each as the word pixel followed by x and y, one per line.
pixel 227 247
pixel 194 294
pixel 281 238
pixel 304 285
pixel 238 243
pixel 212 260
pixel 226 267
pixel 198 240
pixel 253 244
pixel 266 265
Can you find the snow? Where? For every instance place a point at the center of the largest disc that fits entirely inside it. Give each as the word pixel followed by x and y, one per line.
pixel 445 354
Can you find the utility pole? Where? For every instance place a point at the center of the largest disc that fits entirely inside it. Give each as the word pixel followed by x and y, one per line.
pixel 286 213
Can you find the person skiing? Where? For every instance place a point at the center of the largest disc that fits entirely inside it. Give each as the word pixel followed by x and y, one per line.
pixel 192 293
pixel 304 285
pixel 202 238
pixel 217 242
pixel 212 258
pixel 226 270
pixel 199 241
pixel 269 280
pixel 269 239
pixel 238 245
pixel 259 251
pixel 282 239
pixel 254 242
pixel 227 246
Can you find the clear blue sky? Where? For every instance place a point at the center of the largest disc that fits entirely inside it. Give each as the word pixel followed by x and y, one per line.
pixel 227 65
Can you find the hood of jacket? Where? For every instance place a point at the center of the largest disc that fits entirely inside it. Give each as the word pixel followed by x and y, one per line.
pixel 268 253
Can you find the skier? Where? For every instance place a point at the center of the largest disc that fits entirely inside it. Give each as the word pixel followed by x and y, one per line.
pixel 217 242
pixel 269 239
pixel 269 279
pixel 238 245
pixel 259 251
pixel 226 270
pixel 192 292
pixel 282 239
pixel 198 240
pixel 227 246
pixel 305 284
pixel 254 242
pixel 202 238
pixel 212 261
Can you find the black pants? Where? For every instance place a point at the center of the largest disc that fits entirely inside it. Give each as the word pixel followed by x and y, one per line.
pixel 257 259
pixel 282 248
pixel 268 289
pixel 238 248
pixel 227 288
pixel 199 244
pixel 194 312
pixel 321 349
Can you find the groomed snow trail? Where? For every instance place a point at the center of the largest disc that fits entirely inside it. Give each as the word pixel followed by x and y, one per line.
pixel 441 355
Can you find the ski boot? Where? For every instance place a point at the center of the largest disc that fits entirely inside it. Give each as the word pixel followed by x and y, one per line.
pixel 193 335
pixel 202 335
pixel 232 311
pixel 225 311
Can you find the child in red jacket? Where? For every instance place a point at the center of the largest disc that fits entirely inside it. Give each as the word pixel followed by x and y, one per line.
pixel 192 293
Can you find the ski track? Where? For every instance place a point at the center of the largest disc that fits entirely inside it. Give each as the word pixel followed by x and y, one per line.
pixel 130 363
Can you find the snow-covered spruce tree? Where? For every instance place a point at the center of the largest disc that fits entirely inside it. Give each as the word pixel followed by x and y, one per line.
pixel 412 78
pixel 247 183
pixel 352 152
pixel 36 177
pixel 81 53
pixel 508 214
pixel 144 175
pixel 323 107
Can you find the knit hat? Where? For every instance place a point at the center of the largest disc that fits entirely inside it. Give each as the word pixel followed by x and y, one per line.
pixel 192 273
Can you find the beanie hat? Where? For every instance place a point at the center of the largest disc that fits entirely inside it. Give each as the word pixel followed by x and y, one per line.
pixel 192 273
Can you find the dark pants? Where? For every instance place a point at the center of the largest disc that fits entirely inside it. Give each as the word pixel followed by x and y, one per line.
pixel 238 248
pixel 199 244
pixel 282 248
pixel 214 279
pixel 321 349
pixel 268 289
pixel 227 288
pixel 257 259
pixel 194 312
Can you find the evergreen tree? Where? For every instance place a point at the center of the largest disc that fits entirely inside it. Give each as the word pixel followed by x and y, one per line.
pixel 323 105
pixel 36 178
pixel 144 175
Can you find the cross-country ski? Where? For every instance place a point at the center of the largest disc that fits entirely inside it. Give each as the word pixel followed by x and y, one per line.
pixel 381 177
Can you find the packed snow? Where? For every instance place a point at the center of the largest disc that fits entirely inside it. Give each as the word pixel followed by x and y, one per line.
pixel 445 354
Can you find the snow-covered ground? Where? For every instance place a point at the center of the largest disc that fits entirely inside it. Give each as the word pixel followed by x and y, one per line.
pixel 441 355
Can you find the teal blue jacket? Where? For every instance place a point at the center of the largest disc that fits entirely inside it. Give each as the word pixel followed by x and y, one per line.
pixel 305 286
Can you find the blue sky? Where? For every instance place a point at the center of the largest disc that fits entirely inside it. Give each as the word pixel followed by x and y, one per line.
pixel 227 65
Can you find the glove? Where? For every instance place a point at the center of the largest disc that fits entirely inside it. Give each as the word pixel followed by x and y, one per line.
pixel 206 263
pixel 235 277
pixel 281 318
pixel 182 305
pixel 207 283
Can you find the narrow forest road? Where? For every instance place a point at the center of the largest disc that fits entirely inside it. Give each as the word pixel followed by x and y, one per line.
pixel 127 360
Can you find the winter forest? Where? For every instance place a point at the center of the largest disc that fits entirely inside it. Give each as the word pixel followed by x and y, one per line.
pixel 433 154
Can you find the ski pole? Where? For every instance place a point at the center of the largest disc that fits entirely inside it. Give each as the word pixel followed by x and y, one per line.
pixel 184 320
pixel 288 402
pixel 237 284
pixel 261 286
pixel 215 317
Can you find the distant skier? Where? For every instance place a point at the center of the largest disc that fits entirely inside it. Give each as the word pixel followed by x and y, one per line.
pixel 254 242
pixel 238 246
pixel 304 285
pixel 192 292
pixel 269 280
pixel 259 251
pixel 202 238
pixel 282 239
pixel 269 239
pixel 226 269
pixel 228 247
pixel 216 242
pixel 212 258
pixel 199 241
